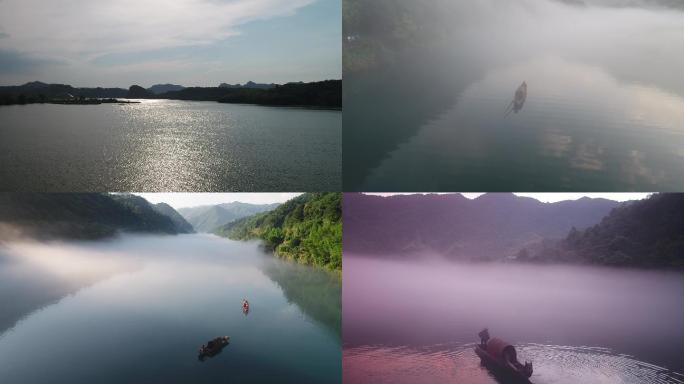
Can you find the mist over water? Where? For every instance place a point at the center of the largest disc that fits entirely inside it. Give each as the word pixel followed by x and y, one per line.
pixel 137 308
pixel 34 275
pixel 166 145
pixel 418 321
pixel 603 109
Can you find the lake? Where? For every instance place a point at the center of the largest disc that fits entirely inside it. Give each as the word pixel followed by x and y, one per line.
pixel 417 321
pixel 137 308
pixel 166 145
pixel 604 108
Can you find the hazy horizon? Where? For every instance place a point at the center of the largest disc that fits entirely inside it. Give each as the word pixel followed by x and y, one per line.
pixel 146 86
pixel 188 42
pixel 191 200
pixel 544 197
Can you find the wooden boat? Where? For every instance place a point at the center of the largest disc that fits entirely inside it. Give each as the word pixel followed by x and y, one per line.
pixel 518 99
pixel 501 358
pixel 213 347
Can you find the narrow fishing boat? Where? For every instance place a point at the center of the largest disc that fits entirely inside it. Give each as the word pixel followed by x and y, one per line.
pixel 213 347
pixel 518 99
pixel 501 358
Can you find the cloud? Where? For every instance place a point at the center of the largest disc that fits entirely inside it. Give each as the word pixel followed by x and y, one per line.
pixel 12 61
pixel 84 30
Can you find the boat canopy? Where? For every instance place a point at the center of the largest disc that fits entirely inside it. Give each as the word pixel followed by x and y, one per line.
pixel 498 348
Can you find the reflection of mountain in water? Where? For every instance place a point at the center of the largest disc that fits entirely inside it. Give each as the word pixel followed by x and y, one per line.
pixel 26 285
pixel 22 292
pixel 385 108
pixel 316 292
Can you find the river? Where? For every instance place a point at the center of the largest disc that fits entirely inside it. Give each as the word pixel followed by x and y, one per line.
pixel 137 308
pixel 604 106
pixel 417 321
pixel 169 145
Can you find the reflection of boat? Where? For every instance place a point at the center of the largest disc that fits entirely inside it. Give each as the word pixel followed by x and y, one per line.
pixel 501 358
pixel 518 99
pixel 213 347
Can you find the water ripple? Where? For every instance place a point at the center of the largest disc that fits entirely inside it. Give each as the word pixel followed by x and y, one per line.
pixel 457 363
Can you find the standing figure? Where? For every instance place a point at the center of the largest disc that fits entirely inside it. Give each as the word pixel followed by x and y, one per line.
pixel 484 337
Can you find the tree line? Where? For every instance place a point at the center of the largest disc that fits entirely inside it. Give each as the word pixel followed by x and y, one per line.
pixel 306 229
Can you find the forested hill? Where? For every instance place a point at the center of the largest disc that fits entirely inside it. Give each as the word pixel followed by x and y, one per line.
pixel 307 229
pixel 79 216
pixel 182 225
pixel 37 88
pixel 320 94
pixel 645 233
pixel 323 94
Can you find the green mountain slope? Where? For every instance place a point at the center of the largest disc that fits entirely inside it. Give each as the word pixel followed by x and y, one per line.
pixel 645 233
pixel 78 216
pixel 307 229
pixel 181 224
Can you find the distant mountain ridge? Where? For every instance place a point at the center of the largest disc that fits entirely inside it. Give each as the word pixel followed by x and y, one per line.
pixel 207 218
pixel 82 216
pixel 249 85
pixel 37 88
pixel 321 94
pixel 36 84
pixel 159 89
pixel 493 226
pixel 644 233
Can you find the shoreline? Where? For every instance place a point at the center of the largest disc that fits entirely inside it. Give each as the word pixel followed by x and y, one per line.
pixel 126 101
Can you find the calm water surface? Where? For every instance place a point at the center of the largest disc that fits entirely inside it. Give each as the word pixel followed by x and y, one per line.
pixel 137 309
pixel 604 107
pixel 411 322
pixel 163 145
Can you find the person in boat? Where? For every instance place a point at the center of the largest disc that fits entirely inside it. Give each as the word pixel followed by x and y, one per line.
pixel 528 368
pixel 502 355
pixel 245 304
pixel 484 337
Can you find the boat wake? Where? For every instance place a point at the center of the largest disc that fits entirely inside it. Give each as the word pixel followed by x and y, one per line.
pixel 448 363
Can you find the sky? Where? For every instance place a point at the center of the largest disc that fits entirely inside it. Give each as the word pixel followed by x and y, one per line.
pixel 555 197
pixel 183 200
pixel 118 43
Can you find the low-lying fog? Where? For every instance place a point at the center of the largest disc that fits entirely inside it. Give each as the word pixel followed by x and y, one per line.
pixel 568 319
pixel 137 308
pixel 33 274
pixel 603 106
